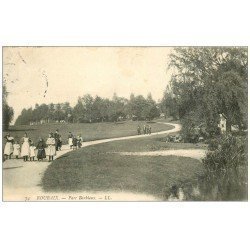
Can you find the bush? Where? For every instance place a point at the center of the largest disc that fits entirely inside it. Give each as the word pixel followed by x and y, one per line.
pixel 226 172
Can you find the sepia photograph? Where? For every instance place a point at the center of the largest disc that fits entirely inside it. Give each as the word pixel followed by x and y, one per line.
pixel 166 124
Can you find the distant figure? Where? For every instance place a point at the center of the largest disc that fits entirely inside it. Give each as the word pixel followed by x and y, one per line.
pixel 41 149
pixel 8 149
pixel 25 149
pixel 51 148
pixel 138 130
pixel 79 141
pixel 144 129
pixel 74 141
pixel 17 149
pixel 57 136
pixel 59 143
pixel 149 130
pixel 70 140
pixel 32 152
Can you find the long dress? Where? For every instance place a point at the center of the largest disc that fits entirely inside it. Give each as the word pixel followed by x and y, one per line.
pixel 41 150
pixel 25 149
pixel 51 149
pixel 8 149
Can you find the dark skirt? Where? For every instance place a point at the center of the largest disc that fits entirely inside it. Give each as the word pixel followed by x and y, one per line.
pixel 41 154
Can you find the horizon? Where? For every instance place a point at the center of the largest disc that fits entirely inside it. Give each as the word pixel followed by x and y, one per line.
pixel 62 74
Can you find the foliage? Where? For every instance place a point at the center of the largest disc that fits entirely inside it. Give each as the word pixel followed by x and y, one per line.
pixel 208 81
pixel 89 109
pixel 225 176
pixel 8 111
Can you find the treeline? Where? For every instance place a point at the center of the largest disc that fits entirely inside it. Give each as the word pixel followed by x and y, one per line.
pixel 92 109
pixel 207 82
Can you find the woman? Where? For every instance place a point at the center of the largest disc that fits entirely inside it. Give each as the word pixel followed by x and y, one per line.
pixel 41 149
pixel 51 148
pixel 8 149
pixel 25 149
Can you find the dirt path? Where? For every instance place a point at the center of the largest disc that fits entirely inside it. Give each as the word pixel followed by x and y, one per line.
pixel 197 154
pixel 23 179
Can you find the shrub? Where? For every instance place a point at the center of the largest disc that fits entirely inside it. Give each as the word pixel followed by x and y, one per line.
pixel 226 173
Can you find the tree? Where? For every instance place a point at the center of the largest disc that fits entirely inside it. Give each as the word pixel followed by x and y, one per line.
pixel 8 111
pixel 209 81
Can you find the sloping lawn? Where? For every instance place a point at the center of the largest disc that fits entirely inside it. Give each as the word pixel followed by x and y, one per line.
pixel 94 169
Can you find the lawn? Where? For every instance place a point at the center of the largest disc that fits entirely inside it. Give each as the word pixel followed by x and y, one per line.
pixel 94 168
pixel 93 131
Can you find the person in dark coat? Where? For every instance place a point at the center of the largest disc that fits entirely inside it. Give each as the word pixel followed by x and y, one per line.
pixel 57 137
pixel 138 130
pixel 75 142
pixel 144 129
pixel 41 149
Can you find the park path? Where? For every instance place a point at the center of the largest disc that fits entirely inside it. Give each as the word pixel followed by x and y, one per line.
pixel 23 179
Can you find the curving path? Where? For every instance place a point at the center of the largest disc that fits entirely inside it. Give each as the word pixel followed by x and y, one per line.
pixel 23 179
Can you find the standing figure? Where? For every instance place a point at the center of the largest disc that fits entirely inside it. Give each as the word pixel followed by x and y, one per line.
pixel 138 130
pixel 59 143
pixel 74 141
pixel 32 151
pixel 16 152
pixel 144 129
pixel 8 149
pixel 79 141
pixel 25 149
pixel 57 137
pixel 51 148
pixel 41 149
pixel 70 140
pixel 149 130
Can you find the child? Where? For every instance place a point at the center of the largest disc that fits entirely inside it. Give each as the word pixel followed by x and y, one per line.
pixel 32 151
pixel 70 140
pixel 51 148
pixel 17 151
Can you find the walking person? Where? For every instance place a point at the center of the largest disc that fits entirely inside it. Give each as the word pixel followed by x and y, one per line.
pixel 138 130
pixel 149 129
pixel 32 152
pixel 17 149
pixel 25 149
pixel 74 141
pixel 144 129
pixel 70 140
pixel 41 149
pixel 57 137
pixel 51 148
pixel 79 141
pixel 8 149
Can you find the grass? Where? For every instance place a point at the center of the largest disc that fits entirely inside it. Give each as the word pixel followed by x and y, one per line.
pixel 89 132
pixel 93 168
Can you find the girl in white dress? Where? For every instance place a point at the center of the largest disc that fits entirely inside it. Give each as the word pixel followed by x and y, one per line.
pixel 8 149
pixel 16 152
pixel 51 147
pixel 25 149
pixel 32 151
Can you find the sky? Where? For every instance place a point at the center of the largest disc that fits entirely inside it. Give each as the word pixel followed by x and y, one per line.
pixel 58 74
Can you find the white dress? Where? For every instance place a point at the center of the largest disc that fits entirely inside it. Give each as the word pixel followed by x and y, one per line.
pixel 16 151
pixel 25 149
pixel 8 149
pixel 32 151
pixel 51 149
pixel 70 141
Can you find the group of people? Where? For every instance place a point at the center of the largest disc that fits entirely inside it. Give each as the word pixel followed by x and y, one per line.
pixel 28 150
pixel 146 129
pixel 75 142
